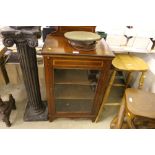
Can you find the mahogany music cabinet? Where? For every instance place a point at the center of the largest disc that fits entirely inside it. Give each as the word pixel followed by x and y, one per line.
pixel 75 80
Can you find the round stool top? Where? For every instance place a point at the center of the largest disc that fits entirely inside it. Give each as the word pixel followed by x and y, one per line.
pixel 128 62
pixel 140 103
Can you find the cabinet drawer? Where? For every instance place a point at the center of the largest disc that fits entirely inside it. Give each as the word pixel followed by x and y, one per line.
pixel 77 63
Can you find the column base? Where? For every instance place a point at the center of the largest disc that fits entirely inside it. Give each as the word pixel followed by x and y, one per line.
pixel 29 114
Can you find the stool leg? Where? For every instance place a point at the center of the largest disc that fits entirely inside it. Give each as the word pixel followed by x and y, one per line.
pixel 121 114
pixel 128 80
pixel 106 95
pixel 117 121
pixel 141 81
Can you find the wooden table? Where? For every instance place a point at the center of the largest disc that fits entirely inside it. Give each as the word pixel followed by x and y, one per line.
pixel 71 91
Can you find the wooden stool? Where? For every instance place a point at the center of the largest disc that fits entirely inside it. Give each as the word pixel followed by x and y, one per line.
pixel 138 109
pixel 126 63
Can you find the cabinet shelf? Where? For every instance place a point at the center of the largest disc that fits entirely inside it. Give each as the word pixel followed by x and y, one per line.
pixel 70 76
pixel 73 92
pixel 73 105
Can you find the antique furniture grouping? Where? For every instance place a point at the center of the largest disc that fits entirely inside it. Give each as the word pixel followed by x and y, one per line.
pixel 75 80
pixel 5 106
pixel 124 63
pixel 26 39
pixel 137 110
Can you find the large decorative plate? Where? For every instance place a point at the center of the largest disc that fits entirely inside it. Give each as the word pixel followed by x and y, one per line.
pixel 82 40
pixel 82 36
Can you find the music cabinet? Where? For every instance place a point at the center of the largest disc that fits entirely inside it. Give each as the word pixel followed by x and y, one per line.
pixel 75 80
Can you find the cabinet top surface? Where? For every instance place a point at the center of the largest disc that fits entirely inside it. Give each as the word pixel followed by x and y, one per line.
pixel 58 45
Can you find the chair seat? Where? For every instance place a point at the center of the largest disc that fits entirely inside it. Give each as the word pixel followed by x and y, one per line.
pixel 126 62
pixel 140 103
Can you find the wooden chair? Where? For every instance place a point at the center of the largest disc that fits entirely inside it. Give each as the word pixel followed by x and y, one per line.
pixel 5 106
pixel 137 110
pixel 124 63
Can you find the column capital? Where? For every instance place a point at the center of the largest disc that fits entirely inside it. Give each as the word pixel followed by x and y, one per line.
pixel 20 34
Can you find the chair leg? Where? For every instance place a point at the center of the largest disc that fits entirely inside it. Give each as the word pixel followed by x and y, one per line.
pixel 6 120
pixel 6 108
pixel 130 118
pixel 106 95
pixel 114 122
pixel 12 101
pixel 141 81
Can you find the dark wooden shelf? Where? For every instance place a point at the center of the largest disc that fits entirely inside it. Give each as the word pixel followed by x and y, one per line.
pixel 73 92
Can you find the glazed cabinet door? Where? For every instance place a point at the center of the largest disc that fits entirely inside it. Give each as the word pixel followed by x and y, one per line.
pixel 74 90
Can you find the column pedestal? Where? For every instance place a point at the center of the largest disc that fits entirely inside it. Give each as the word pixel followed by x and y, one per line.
pixel 26 39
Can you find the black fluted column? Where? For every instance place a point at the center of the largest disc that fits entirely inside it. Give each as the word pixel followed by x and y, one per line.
pixel 26 39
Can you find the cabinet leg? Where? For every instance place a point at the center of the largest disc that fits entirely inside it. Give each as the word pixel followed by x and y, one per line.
pixel 93 119
pixel 50 118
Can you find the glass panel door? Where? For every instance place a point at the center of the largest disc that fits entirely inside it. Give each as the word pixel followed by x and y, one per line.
pixel 75 89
